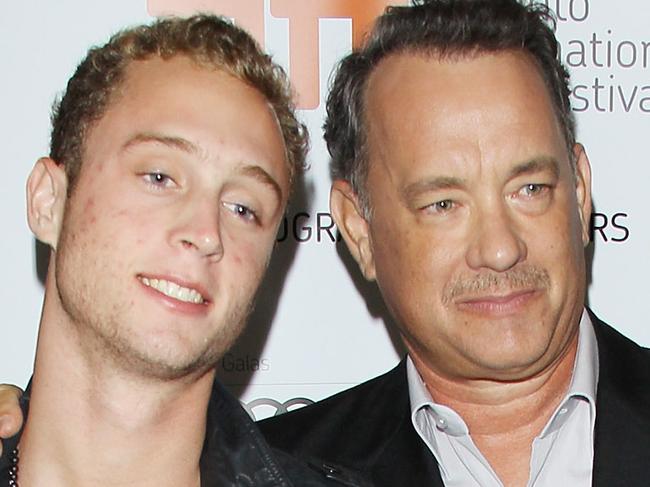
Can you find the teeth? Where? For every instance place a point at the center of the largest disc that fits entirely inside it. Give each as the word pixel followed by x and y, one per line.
pixel 173 290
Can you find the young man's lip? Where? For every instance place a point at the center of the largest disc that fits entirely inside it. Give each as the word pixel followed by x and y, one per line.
pixel 184 283
pixel 176 306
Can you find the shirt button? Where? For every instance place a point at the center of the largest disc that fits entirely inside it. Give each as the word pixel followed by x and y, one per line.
pixel 563 411
pixel 441 423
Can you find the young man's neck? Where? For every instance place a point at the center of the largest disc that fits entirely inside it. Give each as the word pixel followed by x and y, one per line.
pixel 93 425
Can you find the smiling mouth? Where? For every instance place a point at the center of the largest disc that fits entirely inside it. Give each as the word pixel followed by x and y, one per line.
pixel 173 290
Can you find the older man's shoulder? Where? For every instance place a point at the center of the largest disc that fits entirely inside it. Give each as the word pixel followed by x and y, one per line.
pixel 624 369
pixel 369 413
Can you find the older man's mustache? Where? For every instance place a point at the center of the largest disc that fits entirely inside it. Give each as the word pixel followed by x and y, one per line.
pixel 519 278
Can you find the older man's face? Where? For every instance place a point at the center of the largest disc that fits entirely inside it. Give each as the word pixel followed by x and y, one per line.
pixel 479 221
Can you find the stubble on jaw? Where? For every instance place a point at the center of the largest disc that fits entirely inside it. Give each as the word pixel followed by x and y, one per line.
pixel 102 332
pixel 108 339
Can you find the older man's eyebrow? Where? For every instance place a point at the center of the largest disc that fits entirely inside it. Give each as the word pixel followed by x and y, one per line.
pixel 261 175
pixel 171 141
pixel 433 184
pixel 536 165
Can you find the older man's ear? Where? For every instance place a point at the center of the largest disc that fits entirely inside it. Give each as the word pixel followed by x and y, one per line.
pixel 352 223
pixel 11 416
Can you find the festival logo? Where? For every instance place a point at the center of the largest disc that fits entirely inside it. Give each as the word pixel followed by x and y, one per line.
pixel 265 407
pixel 304 33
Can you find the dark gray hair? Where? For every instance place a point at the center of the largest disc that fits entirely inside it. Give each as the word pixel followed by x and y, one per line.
pixel 442 28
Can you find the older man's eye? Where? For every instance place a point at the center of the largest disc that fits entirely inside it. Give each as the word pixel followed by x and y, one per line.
pixel 442 206
pixel 534 189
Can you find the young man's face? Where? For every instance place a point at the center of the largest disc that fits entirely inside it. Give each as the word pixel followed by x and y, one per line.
pixel 171 223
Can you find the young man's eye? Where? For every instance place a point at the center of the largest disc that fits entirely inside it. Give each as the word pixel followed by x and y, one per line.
pixel 158 179
pixel 241 211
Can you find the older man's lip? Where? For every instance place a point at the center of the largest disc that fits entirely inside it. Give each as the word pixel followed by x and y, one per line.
pixel 498 303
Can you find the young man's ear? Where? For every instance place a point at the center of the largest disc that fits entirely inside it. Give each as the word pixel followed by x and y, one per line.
pixel 47 187
pixel 583 189
pixel 351 222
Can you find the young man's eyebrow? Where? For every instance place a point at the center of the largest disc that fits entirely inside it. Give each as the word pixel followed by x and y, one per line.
pixel 185 145
pixel 260 174
pixel 156 138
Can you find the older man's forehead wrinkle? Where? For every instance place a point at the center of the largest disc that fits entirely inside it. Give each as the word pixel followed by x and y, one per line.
pixel 536 165
pixel 412 190
pixel 383 162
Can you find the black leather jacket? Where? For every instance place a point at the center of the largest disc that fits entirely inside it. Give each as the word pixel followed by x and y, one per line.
pixel 234 453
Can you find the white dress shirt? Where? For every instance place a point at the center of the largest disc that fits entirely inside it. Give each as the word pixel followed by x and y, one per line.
pixel 562 455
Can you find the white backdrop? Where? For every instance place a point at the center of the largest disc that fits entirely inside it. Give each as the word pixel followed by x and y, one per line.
pixel 318 327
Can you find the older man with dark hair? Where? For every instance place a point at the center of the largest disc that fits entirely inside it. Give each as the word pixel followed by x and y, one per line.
pixel 460 189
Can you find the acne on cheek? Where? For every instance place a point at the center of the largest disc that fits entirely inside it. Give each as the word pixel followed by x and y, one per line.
pixel 240 260
pixel 90 204
pixel 127 217
pixel 88 215
pixel 247 258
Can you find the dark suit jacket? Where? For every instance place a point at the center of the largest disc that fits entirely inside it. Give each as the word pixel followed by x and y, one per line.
pixel 368 428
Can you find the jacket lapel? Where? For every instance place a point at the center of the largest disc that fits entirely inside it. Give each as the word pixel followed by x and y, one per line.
pixel 622 431
pixel 404 459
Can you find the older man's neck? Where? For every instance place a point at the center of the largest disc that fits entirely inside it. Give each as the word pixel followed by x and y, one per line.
pixel 105 427
pixel 504 417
